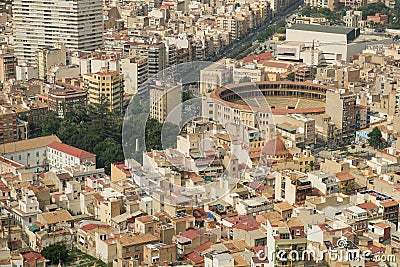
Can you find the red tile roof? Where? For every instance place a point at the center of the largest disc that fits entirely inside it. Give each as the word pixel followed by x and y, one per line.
pixel 263 56
pixel 191 233
pixel 344 176
pixel 367 206
pixel 204 246
pixel 32 256
pixel 194 257
pixel 92 226
pixel 389 203
pixel 70 150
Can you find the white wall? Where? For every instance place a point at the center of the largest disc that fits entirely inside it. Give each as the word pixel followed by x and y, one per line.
pixel 34 158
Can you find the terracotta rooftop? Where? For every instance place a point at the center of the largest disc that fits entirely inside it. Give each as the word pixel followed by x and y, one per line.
pixel 145 219
pixel 28 144
pixel 204 246
pixel 252 58
pixel 131 239
pixel 390 203
pixel 70 150
pixel 93 226
pixel 275 147
pixel 191 233
pixel 194 257
pixel 32 257
pixel 283 206
pixel 367 206
pixel 344 176
pixel 56 217
pixel 382 225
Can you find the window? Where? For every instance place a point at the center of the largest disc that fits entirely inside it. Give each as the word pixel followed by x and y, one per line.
pixel 127 249
pixel 137 248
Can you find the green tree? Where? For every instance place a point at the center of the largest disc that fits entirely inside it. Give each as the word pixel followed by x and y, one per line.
pixel 371 9
pixel 187 95
pixel 291 76
pixel 281 30
pixel 306 11
pixel 55 253
pixel 261 36
pixel 93 128
pixel 371 23
pixel 281 24
pixel 50 124
pixel 153 135
pixel 107 152
pixel 375 138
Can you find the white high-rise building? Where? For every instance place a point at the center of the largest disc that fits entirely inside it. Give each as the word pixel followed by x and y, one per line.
pixel 41 23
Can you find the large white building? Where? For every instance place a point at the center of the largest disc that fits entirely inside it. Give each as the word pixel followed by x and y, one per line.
pixel 329 44
pixel 32 153
pixel 62 155
pixel 37 24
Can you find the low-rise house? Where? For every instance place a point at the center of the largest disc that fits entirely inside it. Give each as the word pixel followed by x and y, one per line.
pixel 27 210
pixel 218 260
pixel 159 253
pixel 253 206
pixel 356 217
pixel 51 219
pixel 131 245
pixel 379 231
pixel 191 238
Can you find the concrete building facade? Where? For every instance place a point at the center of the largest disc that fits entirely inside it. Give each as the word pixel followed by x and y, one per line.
pixel 38 24
pixel 105 86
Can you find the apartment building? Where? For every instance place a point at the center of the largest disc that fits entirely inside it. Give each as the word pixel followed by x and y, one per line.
pixel 297 125
pixel 280 239
pixel 214 76
pixel 354 19
pixel 135 71
pixel 8 126
pixel 159 253
pixel 62 101
pixel 49 56
pixel 156 54
pixel 331 4
pixel 229 24
pixel 38 24
pixel 132 245
pixel 7 67
pixel 164 98
pixel 293 186
pixel 341 106
pixel 105 85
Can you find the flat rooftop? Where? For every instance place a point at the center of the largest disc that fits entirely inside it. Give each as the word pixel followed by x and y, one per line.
pixel 322 28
